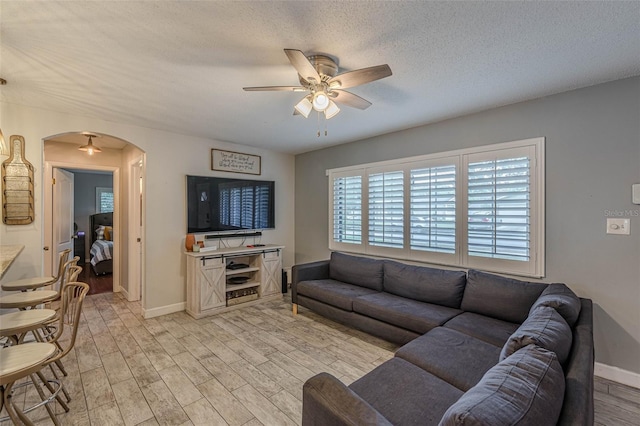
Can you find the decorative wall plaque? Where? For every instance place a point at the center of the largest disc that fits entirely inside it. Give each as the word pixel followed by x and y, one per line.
pixel 237 162
pixel 17 185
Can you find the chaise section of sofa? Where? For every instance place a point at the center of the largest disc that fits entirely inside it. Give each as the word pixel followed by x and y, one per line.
pixel 470 340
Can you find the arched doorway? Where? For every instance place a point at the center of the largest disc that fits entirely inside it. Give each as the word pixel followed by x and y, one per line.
pixel 126 163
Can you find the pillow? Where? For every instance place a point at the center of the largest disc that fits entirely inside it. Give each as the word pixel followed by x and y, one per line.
pixel 526 388
pixel 100 233
pixel 356 270
pixel 424 284
pixel 545 328
pixel 499 297
pixel 108 233
pixel 562 299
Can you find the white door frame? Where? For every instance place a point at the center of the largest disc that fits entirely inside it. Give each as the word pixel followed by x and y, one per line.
pixel 48 214
pixel 136 229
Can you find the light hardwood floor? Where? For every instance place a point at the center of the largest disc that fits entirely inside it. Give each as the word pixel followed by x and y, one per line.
pixel 244 367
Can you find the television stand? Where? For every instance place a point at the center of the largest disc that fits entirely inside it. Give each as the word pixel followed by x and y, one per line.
pixel 214 287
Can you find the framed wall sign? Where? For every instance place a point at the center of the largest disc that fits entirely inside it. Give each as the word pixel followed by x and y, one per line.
pixel 236 162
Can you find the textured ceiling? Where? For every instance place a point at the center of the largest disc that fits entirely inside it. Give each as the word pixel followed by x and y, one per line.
pixel 181 66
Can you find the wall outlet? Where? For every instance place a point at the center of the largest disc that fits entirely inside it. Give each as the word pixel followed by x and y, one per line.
pixel 618 226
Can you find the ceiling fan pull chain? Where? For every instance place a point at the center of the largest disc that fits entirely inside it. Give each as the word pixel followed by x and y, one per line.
pixel 318 124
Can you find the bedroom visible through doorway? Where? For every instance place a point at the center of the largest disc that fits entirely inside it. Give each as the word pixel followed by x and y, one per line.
pixel 93 204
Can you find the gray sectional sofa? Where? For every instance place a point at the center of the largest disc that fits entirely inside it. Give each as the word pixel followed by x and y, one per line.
pixel 479 349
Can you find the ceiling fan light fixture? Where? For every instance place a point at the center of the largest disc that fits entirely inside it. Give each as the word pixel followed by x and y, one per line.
pixel 320 101
pixel 331 110
pixel 90 148
pixel 304 107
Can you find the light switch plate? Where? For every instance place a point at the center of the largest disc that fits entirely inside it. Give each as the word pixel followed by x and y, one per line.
pixel 635 193
pixel 618 226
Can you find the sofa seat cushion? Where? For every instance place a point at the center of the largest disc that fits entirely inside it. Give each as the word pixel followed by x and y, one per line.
pixel 360 271
pixel 562 299
pixel 487 329
pixel 332 292
pixel 499 297
pixel 526 388
pixel 416 316
pixel 455 357
pixel 424 284
pixel 545 328
pixel 405 394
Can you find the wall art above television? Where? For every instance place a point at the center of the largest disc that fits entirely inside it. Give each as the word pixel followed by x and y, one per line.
pixel 224 204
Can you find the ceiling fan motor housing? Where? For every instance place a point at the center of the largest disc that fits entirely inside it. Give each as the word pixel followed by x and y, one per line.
pixel 326 66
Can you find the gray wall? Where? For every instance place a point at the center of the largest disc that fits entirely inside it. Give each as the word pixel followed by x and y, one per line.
pixel 592 159
pixel 84 200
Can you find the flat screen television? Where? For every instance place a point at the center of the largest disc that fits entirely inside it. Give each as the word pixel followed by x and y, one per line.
pixel 222 204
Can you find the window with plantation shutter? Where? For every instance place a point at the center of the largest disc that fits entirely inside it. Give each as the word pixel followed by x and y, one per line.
pixel 347 210
pixel 386 209
pixel 432 224
pixel 479 208
pixel 498 211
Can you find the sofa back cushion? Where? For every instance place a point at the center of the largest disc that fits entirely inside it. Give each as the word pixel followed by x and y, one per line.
pixel 499 297
pixel 545 328
pixel 562 299
pixel 526 388
pixel 424 284
pixel 356 270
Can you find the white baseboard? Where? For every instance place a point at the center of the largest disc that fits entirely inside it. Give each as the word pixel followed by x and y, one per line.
pixel 164 310
pixel 616 374
pixel 124 292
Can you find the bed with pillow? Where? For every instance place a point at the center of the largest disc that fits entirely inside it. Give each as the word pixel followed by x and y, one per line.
pixel 101 252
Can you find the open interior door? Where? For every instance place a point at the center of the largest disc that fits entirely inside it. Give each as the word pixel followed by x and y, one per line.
pixel 62 219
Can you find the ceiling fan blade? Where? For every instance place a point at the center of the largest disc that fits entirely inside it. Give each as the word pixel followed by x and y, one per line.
pixel 302 65
pixel 361 76
pixel 349 99
pixel 274 88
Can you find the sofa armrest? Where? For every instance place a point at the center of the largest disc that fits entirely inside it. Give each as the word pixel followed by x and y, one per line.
pixel 578 406
pixel 307 271
pixel 327 401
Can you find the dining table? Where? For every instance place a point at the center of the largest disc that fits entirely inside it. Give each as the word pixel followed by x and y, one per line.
pixel 8 253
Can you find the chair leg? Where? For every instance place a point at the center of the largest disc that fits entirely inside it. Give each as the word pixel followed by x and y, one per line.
pixel 54 392
pixel 64 389
pixel 43 397
pixel 295 309
pixel 14 413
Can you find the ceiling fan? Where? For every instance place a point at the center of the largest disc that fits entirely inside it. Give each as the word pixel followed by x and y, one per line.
pixel 318 75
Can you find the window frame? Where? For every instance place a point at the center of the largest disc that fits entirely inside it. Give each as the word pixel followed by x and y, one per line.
pixel 104 190
pixel 533 148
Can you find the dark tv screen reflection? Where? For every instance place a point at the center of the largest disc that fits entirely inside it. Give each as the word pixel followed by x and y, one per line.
pixel 223 204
